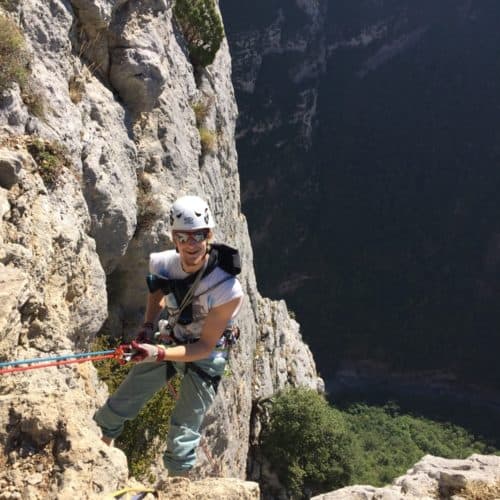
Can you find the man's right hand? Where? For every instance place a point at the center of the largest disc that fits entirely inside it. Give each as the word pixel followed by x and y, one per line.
pixel 145 334
pixel 146 353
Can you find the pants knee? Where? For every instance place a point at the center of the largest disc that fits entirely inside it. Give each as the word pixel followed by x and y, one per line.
pixel 109 421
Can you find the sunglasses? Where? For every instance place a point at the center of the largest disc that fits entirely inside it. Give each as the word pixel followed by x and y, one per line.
pixel 197 236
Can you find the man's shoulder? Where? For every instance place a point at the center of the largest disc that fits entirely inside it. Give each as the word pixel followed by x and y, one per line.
pixel 218 273
pixel 161 262
pixel 221 280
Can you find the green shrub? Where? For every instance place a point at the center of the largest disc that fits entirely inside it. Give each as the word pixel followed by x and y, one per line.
pixel 14 59
pixel 140 435
pixel 202 28
pixel 51 159
pixel 307 443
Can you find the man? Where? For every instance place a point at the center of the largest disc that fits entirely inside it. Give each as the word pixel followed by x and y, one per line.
pixel 196 285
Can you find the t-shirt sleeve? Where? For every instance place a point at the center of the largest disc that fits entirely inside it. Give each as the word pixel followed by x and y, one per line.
pixel 225 292
pixel 158 264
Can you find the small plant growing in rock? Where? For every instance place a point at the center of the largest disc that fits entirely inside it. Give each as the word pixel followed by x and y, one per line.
pixel 14 59
pixel 148 207
pixel 76 88
pixel 14 65
pixel 50 158
pixel 33 100
pixel 202 28
pixel 208 139
pixel 201 109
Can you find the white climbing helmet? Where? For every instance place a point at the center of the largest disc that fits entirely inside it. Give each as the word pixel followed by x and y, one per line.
pixel 189 213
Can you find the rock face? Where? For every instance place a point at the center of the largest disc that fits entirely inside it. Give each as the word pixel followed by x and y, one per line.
pixel 85 188
pixel 210 489
pixel 434 478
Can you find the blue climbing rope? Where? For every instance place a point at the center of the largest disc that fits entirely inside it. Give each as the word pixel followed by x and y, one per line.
pixel 55 358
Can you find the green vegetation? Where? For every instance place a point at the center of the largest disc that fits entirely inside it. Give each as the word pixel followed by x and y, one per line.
pixel 14 59
pixel 15 65
pixel 151 425
pixel 51 159
pixel 208 139
pixel 390 443
pixel 201 109
pixel 202 28
pixel 308 444
pixel 314 447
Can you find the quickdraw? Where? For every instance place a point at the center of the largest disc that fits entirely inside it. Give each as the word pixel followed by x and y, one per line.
pixel 119 354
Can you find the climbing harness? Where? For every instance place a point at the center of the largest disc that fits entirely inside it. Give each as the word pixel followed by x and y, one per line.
pixel 120 354
pixel 222 348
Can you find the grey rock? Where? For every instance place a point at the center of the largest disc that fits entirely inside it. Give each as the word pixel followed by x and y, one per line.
pixel 431 478
pixel 11 164
pixel 13 113
pixel 138 56
pixel 4 203
pixel 13 293
pixel 138 76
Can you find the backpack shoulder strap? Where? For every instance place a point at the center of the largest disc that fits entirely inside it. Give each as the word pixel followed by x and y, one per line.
pixel 227 258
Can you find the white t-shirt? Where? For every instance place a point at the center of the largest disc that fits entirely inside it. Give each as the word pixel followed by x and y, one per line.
pixel 213 290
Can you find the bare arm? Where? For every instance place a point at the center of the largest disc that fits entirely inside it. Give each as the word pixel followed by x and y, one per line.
pixel 213 327
pixel 153 306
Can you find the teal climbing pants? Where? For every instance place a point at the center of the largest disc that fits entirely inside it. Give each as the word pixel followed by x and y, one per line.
pixel 196 394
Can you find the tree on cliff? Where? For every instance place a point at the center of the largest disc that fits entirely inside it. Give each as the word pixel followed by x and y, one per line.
pixel 202 28
pixel 307 443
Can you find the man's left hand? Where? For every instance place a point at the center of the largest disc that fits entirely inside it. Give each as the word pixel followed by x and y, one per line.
pixel 147 353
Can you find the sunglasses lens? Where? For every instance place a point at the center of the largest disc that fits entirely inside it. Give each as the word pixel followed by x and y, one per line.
pixel 200 236
pixel 197 236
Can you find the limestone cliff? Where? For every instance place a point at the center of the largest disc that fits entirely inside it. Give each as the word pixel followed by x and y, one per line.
pixel 118 98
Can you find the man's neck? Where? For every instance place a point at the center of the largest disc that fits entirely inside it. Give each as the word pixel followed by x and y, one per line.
pixel 194 268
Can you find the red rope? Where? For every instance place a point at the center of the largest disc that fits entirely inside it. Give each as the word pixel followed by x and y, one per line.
pixel 57 363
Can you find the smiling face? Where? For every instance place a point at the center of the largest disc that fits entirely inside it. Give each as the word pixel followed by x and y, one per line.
pixel 192 247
